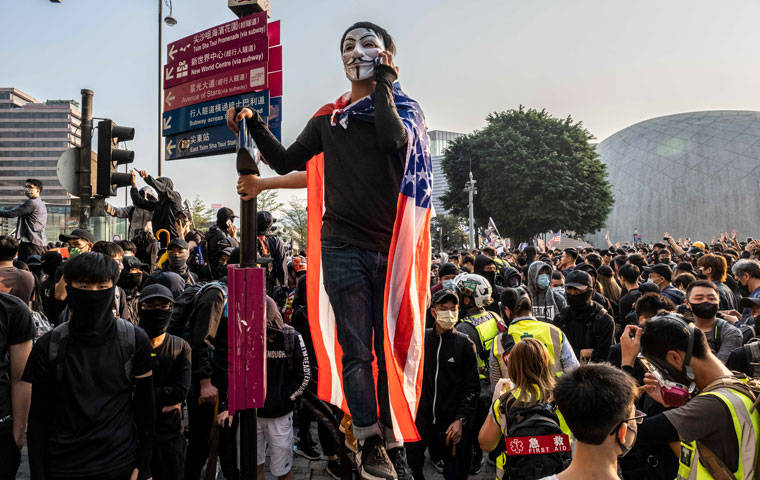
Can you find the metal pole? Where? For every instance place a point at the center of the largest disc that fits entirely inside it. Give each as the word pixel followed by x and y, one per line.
pixel 85 160
pixel 471 191
pixel 158 94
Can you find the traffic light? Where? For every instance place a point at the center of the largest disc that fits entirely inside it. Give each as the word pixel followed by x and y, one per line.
pixel 109 158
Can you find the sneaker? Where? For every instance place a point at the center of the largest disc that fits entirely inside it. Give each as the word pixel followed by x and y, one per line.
pixel 373 460
pixel 308 452
pixel 398 459
pixel 333 468
pixel 438 465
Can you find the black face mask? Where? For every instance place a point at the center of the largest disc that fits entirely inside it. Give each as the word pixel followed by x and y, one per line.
pixel 91 311
pixel 491 277
pixel 513 282
pixel 704 309
pixel 155 321
pixel 178 263
pixel 579 301
pixel 219 271
pixel 131 280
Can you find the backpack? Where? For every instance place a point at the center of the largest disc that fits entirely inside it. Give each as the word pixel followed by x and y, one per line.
pixel 184 306
pixel 59 341
pixel 536 446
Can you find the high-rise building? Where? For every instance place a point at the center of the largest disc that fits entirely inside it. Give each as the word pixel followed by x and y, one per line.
pixel 439 142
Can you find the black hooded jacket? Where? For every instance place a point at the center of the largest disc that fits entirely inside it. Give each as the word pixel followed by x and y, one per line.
pixel 481 261
pixel 166 209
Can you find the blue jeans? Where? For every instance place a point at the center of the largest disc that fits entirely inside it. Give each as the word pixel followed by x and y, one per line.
pixel 354 279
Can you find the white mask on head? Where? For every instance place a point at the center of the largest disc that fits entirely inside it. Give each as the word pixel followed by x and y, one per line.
pixel 361 47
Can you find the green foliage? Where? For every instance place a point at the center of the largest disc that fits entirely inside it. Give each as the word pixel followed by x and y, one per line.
pixel 534 173
pixel 454 236
pixel 294 220
pixel 269 201
pixel 203 215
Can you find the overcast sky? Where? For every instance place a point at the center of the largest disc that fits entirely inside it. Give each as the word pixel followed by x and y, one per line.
pixel 608 63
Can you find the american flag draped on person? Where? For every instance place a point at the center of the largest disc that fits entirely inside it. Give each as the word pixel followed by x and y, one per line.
pixel 406 286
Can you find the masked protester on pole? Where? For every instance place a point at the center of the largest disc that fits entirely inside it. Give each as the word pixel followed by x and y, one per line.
pixel 547 303
pixel 597 402
pixel 138 218
pixel 171 382
pixel 94 370
pixel 588 326
pixel 167 210
pixel 717 428
pixel 369 136
pixel 450 389
pixel 482 327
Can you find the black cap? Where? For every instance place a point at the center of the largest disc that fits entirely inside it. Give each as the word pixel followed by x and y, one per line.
pixel 647 287
pixel 686 267
pixel 578 279
pixel 131 262
pixel 77 233
pixel 748 302
pixel 605 271
pixel 448 269
pixel 156 290
pixel 660 269
pixel 444 295
pixel 177 242
pixel 33 261
pixel 264 221
pixel 585 267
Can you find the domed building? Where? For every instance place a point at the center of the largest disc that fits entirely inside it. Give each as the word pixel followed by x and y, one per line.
pixel 691 174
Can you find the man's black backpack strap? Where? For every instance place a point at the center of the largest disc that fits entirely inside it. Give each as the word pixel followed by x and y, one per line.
pixel 126 333
pixel 59 340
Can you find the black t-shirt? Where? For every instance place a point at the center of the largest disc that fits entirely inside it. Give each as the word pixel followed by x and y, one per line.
pixel 362 168
pixel 171 382
pixel 92 427
pixel 16 326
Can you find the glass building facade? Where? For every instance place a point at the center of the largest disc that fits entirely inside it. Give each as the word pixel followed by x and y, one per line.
pixel 439 142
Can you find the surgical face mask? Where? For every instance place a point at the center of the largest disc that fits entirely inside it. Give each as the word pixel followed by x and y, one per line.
pixel 446 319
pixel 361 47
pixel 448 285
pixel 630 438
pixel 704 309
pixel 29 192
pixel 543 281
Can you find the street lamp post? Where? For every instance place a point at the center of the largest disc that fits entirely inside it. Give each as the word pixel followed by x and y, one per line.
pixel 471 191
pixel 171 21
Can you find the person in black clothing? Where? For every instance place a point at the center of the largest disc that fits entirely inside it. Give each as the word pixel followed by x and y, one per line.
pixel 51 261
pixel 588 326
pixel 629 278
pixel 178 253
pixel 271 246
pixel 595 296
pixel 171 382
pixel 486 267
pixel 364 163
pixel 16 334
pixel 450 389
pixel 131 281
pixel 207 332
pixel 220 237
pixel 92 413
pixel 167 210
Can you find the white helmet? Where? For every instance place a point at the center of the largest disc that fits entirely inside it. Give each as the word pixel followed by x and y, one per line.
pixel 475 286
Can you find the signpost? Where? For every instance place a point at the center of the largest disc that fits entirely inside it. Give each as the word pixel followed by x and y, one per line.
pixel 211 113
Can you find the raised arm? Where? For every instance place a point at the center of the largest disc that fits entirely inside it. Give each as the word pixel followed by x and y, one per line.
pixel 19 211
pixel 391 133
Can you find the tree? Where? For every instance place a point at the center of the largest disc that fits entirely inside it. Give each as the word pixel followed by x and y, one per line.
pixel 203 215
pixel 269 201
pixel 534 173
pixel 453 232
pixel 294 220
